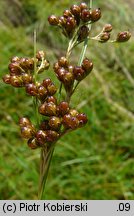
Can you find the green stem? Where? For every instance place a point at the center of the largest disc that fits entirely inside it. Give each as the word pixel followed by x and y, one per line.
pixel 46 156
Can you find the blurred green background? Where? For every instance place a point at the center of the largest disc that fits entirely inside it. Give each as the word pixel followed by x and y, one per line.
pixel 94 162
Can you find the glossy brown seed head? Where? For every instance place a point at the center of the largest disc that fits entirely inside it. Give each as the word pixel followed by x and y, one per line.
pixel 56 67
pixel 63 62
pixel 48 109
pixel 86 15
pixel 83 33
pixel 31 89
pixel 52 136
pixel 40 55
pixel 73 112
pixel 63 108
pixel 70 24
pixel 83 6
pixel 16 81
pixel 42 92
pixel 15 68
pixel 32 143
pixel 87 65
pixel 27 78
pixel 75 10
pixel 53 20
pixel 51 99
pixel 51 89
pixel 24 122
pixel 95 15
pixel 67 13
pixel 6 79
pixel 41 137
pixel 70 68
pixel 68 79
pixel 30 63
pixel 55 123
pixel 61 73
pixel 27 132
pixel 105 36
pixel 82 119
pixel 107 28
pixel 79 73
pixel 15 59
pixel 123 36
pixel 62 21
pixel 24 63
pixel 44 125
pixel 70 122
pixel 46 82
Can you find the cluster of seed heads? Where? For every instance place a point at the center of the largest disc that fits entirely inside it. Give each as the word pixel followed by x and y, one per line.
pixel 77 17
pixel 57 117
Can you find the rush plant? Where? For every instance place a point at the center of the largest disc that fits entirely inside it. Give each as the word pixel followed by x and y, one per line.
pixel 54 115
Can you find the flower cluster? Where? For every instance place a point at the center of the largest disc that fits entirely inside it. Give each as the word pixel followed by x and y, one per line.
pixel 67 73
pixel 58 119
pixel 78 16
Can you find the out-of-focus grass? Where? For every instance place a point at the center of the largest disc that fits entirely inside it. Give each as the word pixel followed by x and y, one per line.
pixel 94 162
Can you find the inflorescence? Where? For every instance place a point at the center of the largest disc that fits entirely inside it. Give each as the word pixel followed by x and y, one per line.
pixel 57 116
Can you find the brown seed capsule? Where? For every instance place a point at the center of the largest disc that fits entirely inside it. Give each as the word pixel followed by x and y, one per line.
pixel 86 15
pixel 82 119
pixel 24 63
pixel 41 137
pixel 123 36
pixel 32 143
pixel 55 123
pixel 42 92
pixel 32 89
pixel 24 122
pixel 6 79
pixel 95 15
pixel 27 78
pixel 14 68
pixel 27 132
pixel 62 21
pixel 79 73
pixel 68 79
pixel 40 54
pixel 61 73
pixel 105 36
pixel 75 10
pixel 52 136
pixel 63 62
pixel 70 68
pixel 51 89
pixel 53 20
pixel 56 67
pixel 16 81
pixel 51 99
pixel 107 28
pixel 70 122
pixel 83 33
pixel 70 24
pixel 15 59
pixel 46 82
pixel 44 125
pixel 83 6
pixel 73 112
pixel 67 13
pixel 48 109
pixel 87 65
pixel 63 108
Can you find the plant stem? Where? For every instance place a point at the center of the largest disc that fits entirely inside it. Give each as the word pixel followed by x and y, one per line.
pixel 45 160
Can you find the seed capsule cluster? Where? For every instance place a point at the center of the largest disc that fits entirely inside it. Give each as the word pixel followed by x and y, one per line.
pixel 58 119
pixel 67 73
pixel 77 17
